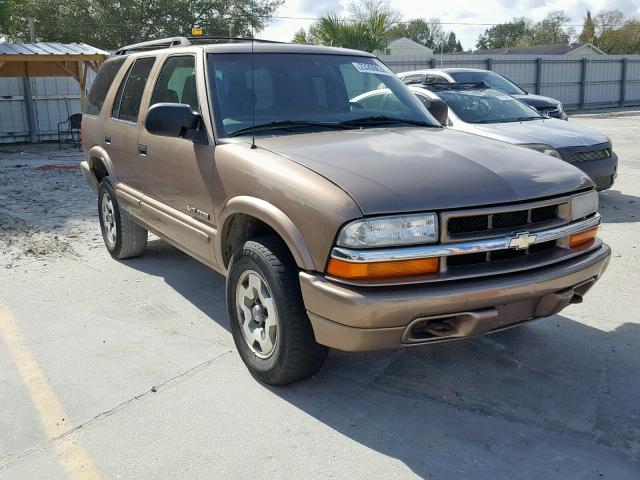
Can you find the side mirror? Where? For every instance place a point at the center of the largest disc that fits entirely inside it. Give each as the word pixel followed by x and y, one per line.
pixel 439 109
pixel 175 120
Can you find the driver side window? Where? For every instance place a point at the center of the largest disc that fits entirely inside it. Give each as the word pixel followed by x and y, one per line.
pixel 177 82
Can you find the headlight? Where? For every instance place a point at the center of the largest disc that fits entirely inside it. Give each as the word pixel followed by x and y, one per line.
pixel 390 231
pixel 584 205
pixel 559 107
pixel 542 148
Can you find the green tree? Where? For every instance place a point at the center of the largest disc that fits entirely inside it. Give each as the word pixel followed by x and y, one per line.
pixel 588 29
pixel 428 33
pixel 330 30
pixel 619 36
pixel 511 34
pixel 453 44
pixel 365 11
pixel 607 21
pixel 109 25
pixel 551 29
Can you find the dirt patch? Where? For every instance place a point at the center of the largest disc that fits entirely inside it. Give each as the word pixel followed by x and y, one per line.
pixel 46 208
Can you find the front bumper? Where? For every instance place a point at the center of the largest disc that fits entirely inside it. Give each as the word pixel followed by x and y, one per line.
pixel 359 318
pixel 602 172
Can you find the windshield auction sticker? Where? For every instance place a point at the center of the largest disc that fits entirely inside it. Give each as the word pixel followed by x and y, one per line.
pixel 372 68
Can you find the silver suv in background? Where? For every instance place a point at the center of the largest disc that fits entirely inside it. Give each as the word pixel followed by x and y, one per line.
pixel 547 106
pixel 490 113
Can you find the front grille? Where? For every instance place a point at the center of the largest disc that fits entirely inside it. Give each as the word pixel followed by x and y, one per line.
pixel 578 157
pixel 492 222
pixel 476 224
pixel 497 255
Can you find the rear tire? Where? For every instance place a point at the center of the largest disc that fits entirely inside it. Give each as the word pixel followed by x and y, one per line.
pixel 122 236
pixel 269 323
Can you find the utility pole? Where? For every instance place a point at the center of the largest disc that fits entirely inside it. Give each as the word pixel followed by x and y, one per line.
pixel 32 30
pixel 28 95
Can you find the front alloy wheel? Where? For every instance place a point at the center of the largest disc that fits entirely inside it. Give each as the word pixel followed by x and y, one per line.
pixel 269 322
pixel 257 313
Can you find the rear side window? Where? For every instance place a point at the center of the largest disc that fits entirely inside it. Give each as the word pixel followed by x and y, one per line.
pixel 127 103
pixel 104 79
pixel 430 79
pixel 177 82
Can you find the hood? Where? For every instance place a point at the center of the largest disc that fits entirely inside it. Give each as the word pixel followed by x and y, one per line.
pixel 551 131
pixel 537 100
pixel 417 169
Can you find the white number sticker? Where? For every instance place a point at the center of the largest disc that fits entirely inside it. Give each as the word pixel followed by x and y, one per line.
pixel 372 68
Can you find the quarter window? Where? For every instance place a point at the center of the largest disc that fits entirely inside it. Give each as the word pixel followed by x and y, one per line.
pixel 177 82
pixel 127 103
pixel 104 79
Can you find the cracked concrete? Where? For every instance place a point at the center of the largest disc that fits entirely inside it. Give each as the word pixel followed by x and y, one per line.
pixel 557 399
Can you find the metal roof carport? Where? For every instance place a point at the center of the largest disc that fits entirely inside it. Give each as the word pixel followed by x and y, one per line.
pixel 47 59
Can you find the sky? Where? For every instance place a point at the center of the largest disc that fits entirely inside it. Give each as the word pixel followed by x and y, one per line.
pixel 453 11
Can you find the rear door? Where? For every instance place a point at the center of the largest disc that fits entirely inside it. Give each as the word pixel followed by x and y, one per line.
pixel 123 124
pixel 92 114
pixel 178 172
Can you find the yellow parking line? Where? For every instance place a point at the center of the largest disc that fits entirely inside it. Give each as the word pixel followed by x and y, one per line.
pixel 73 457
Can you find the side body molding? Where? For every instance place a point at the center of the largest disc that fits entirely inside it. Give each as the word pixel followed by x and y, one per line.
pixel 272 216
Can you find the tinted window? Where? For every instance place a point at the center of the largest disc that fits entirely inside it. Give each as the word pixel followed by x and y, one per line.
pixel 487 106
pixel 305 87
pixel 127 103
pixel 412 79
pixel 104 79
pixel 490 78
pixel 177 82
pixel 432 78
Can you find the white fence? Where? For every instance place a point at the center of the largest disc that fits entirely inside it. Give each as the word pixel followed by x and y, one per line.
pixel 580 83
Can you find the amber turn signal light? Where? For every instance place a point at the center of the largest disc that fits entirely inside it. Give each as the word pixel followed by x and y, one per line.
pixel 377 270
pixel 583 237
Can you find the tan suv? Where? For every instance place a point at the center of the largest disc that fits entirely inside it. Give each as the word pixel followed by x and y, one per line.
pixel 338 224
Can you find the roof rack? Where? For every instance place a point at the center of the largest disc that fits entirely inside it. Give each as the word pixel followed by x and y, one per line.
pixel 184 42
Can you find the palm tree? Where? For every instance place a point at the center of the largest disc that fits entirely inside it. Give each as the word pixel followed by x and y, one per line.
pixel 367 35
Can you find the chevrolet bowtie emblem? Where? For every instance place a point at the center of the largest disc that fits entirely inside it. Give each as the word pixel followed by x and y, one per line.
pixel 522 241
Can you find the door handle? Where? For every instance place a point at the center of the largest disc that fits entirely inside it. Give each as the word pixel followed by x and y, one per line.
pixel 107 138
pixel 142 149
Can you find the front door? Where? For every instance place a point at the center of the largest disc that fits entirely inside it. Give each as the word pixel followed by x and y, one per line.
pixel 177 171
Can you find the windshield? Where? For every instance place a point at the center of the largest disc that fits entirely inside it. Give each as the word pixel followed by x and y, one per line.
pixel 487 106
pixel 490 78
pixel 306 91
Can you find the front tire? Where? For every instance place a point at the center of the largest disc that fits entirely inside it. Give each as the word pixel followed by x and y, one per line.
pixel 269 323
pixel 122 236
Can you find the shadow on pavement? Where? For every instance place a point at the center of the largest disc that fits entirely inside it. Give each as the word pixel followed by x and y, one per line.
pixel 617 207
pixel 524 394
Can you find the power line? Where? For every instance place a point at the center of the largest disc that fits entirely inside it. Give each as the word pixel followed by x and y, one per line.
pixel 348 20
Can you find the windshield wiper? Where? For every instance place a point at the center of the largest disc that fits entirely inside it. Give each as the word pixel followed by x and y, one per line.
pixel 508 120
pixel 524 119
pixel 383 120
pixel 286 124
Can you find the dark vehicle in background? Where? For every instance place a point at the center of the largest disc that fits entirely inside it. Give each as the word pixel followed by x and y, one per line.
pixel 546 106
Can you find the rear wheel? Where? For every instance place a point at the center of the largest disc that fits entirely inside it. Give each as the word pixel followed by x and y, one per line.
pixel 269 323
pixel 122 236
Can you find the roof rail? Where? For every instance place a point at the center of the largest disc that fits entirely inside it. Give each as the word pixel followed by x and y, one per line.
pixel 215 38
pixel 154 45
pixel 184 42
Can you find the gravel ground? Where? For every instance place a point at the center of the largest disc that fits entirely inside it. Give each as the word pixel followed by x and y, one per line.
pixel 139 359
